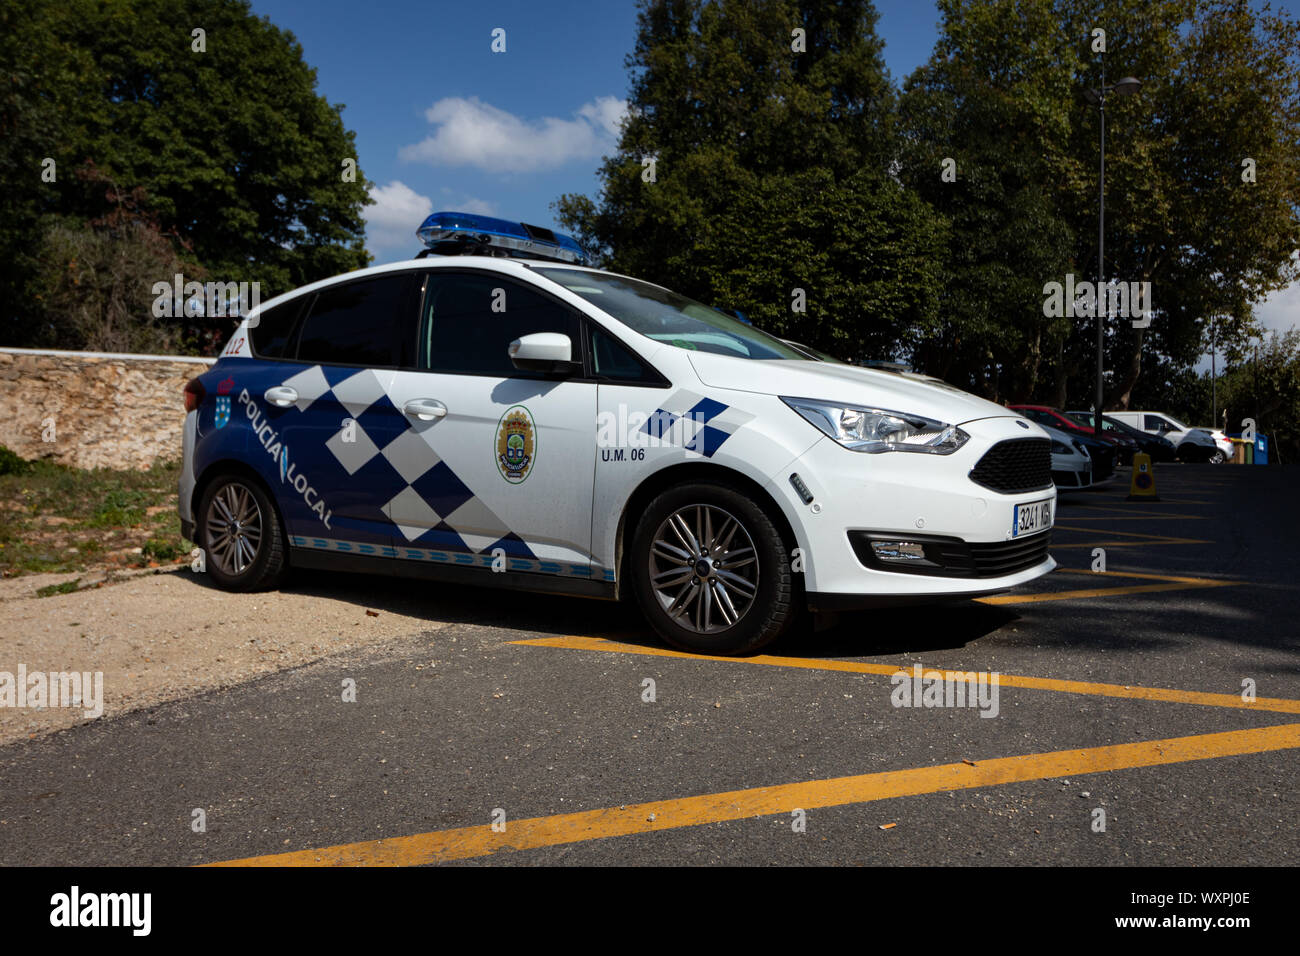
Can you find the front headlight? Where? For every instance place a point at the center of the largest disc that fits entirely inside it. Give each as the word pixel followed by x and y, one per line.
pixel 1061 448
pixel 875 430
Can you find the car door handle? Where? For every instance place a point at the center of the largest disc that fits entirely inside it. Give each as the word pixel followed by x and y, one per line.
pixel 425 409
pixel 281 395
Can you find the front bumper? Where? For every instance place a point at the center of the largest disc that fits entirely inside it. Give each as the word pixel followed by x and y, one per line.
pixel 910 496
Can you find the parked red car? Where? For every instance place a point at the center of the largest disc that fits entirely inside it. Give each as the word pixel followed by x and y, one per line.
pixel 1125 447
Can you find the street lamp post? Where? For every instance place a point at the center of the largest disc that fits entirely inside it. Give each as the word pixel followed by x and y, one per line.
pixel 1097 98
pixel 1214 372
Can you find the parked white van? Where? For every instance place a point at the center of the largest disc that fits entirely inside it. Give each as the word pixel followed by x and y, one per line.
pixel 1193 444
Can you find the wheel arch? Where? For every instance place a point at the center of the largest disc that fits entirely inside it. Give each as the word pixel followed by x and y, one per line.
pixel 233 466
pixel 681 473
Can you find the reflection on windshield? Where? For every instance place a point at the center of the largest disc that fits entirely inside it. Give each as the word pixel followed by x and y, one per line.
pixel 670 318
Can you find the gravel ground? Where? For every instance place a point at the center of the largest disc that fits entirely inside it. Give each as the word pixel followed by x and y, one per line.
pixel 161 636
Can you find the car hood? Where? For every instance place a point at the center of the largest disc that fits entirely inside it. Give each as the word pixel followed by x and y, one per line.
pixel 845 383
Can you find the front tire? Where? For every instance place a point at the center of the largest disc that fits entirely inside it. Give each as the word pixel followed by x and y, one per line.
pixel 711 572
pixel 240 534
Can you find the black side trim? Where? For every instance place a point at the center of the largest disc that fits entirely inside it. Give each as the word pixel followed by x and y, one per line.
pixel 456 574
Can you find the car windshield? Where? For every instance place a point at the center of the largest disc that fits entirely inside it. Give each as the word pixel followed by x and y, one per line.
pixel 1079 418
pixel 670 318
pixel 1176 423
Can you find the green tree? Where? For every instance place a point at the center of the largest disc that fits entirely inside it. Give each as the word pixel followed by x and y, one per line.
pixel 237 155
pixel 1001 94
pixel 985 129
pixel 1264 384
pixel 755 162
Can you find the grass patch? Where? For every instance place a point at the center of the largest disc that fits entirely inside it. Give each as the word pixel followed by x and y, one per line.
pixel 67 587
pixel 11 463
pixel 161 550
pixel 47 509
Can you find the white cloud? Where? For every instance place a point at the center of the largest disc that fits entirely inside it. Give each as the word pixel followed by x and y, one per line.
pixel 1280 310
pixel 392 220
pixel 461 202
pixel 469 132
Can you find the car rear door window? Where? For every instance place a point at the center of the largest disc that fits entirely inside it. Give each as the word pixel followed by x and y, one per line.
pixel 367 323
pixel 274 329
pixel 470 319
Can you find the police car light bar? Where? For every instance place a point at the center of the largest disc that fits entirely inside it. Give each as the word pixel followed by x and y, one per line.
pixel 455 232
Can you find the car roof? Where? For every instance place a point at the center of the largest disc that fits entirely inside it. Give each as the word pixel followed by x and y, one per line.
pixel 508 265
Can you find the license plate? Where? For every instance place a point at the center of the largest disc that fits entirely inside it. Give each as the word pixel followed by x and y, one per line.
pixel 1031 518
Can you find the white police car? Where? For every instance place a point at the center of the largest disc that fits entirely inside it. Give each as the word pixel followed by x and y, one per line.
pixel 499 414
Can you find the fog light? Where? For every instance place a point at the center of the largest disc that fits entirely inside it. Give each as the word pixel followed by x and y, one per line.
pixel 903 551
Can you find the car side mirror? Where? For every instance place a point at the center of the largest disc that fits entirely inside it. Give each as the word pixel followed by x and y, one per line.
pixel 543 352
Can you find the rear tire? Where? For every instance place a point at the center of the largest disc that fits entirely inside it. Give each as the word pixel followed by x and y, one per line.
pixel 241 536
pixel 711 571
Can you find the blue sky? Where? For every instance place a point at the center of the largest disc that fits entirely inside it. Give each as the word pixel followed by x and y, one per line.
pixel 440 118
pixel 442 122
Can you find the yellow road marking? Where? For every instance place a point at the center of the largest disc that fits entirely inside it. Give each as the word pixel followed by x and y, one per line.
pixel 1195 582
pixel 1107 543
pixel 1127 508
pixel 1119 534
pixel 1137 518
pixel 1169 695
pixel 1143 539
pixel 466 842
pixel 1168 582
pixel 1090 593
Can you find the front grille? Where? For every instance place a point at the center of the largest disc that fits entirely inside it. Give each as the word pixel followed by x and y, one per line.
pixel 955 558
pixel 1071 479
pixel 1008 557
pixel 1016 465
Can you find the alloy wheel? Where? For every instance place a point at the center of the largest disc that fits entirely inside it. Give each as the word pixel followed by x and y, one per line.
pixel 234 528
pixel 704 568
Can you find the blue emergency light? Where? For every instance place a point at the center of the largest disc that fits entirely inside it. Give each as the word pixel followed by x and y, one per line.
pixel 460 233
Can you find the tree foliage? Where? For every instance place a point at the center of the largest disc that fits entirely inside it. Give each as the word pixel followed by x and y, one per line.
pixel 777 170
pixel 755 162
pixel 233 152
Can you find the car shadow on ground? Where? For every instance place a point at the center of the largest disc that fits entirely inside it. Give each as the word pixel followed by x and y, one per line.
pixel 880 632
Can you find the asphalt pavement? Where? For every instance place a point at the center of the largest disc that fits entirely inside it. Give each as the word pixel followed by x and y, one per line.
pixel 1146 714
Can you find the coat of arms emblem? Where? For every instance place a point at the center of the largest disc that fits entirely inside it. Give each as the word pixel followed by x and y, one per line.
pixel 516 444
pixel 222 414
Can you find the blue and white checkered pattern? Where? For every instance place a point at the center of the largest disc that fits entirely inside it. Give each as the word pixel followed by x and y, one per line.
pixel 699 425
pixel 423 498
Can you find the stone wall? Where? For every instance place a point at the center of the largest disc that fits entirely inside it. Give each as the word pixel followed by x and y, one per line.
pixel 108 411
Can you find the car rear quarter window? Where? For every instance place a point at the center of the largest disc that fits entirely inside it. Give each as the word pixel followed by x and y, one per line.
pixel 270 337
pixel 470 319
pixel 366 323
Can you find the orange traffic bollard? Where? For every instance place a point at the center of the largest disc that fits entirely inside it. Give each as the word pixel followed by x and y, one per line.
pixel 1143 483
